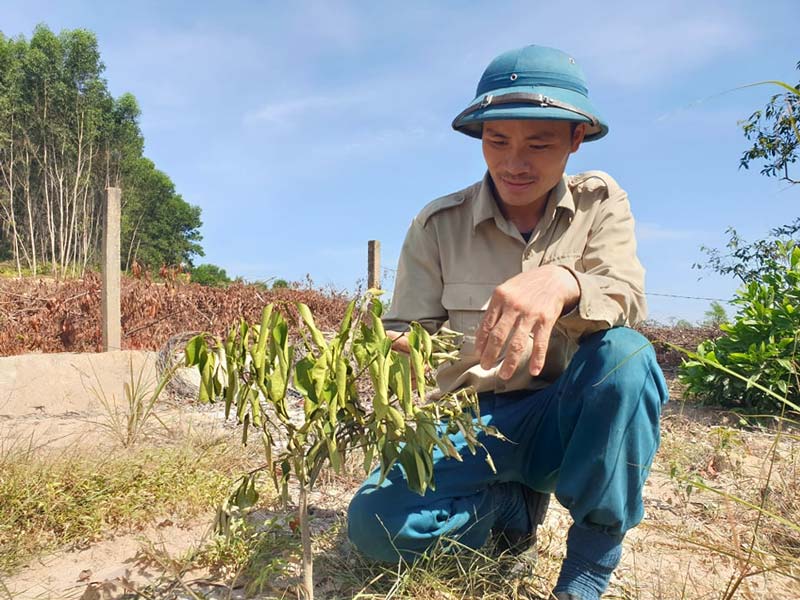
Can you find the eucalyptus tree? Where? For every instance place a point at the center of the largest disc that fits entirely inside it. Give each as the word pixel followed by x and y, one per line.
pixel 63 140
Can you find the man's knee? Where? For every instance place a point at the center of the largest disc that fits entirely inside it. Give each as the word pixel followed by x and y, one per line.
pixel 367 526
pixel 619 350
pixel 625 364
pixel 619 342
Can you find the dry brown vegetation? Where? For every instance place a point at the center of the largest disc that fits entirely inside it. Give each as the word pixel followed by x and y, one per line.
pixel 43 315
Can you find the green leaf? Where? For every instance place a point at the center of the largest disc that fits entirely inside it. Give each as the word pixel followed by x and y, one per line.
pixel 369 453
pixel 347 320
pixel 408 460
pixel 308 319
pixel 400 381
pixel 333 454
pixel 264 332
pixel 245 427
pixel 194 349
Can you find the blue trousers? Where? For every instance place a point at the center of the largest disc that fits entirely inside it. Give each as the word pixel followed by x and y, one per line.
pixel 590 437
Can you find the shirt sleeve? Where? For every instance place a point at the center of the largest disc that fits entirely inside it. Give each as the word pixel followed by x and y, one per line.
pixel 418 285
pixel 612 278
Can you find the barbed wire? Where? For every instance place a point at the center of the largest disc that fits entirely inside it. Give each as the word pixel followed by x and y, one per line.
pixel 688 297
pixel 387 270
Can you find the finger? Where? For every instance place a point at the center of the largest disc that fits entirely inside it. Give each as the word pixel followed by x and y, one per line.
pixel 496 339
pixel 541 340
pixel 489 320
pixel 517 344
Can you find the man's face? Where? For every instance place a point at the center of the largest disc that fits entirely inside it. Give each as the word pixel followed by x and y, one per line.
pixel 526 158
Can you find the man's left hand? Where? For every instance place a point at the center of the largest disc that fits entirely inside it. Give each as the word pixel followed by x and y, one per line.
pixel 528 304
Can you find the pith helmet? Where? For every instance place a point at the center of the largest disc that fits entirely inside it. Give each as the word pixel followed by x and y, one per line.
pixel 533 82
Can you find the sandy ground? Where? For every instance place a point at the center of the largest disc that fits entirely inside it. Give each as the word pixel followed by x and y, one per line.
pixel 46 400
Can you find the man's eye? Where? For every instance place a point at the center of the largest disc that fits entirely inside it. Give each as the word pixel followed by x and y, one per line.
pixel 497 143
pixel 540 146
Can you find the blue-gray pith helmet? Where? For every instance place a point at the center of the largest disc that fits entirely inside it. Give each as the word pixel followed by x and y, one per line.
pixel 533 82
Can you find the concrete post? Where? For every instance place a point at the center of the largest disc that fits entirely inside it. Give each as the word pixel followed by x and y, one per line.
pixel 112 329
pixel 373 264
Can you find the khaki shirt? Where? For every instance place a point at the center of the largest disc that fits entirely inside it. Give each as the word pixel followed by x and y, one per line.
pixel 460 247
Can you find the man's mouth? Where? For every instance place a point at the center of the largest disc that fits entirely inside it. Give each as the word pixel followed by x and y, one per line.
pixel 517 184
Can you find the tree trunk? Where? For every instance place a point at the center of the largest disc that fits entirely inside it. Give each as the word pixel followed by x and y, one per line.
pixel 29 205
pixel 305 537
pixel 8 176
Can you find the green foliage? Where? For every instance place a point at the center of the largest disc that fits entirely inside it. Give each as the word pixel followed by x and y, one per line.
pixel 254 366
pixel 761 344
pixel 776 140
pixel 207 274
pixel 748 261
pixel 280 284
pixel 158 226
pixel 754 365
pixel 63 140
pixel 251 369
pixel 715 315
pixel 774 133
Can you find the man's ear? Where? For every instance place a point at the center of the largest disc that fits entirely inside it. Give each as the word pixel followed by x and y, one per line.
pixel 577 136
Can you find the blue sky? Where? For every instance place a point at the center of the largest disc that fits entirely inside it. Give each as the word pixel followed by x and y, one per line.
pixel 304 129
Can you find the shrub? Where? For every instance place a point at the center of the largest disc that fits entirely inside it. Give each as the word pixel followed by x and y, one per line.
pixel 210 275
pixel 760 343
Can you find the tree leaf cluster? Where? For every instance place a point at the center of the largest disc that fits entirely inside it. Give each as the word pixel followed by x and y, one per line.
pixel 64 139
pixel 754 365
pixel 760 344
pixel 253 366
pixel 749 261
pixel 208 274
pixel 775 135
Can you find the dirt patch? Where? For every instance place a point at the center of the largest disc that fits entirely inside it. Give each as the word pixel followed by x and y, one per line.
pixel 107 569
pixel 692 544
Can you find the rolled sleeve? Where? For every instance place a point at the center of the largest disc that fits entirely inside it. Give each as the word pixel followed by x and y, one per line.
pixel 418 286
pixel 612 278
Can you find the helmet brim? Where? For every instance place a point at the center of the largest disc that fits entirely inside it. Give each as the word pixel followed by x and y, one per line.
pixel 472 124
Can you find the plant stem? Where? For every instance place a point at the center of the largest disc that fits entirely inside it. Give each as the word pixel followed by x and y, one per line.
pixel 305 538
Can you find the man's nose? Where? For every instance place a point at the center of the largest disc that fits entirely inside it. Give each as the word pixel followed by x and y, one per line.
pixel 517 162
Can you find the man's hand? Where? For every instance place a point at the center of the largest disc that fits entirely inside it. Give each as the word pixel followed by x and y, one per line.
pixel 528 304
pixel 399 341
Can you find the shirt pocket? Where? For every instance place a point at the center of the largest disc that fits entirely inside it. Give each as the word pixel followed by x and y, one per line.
pixel 465 304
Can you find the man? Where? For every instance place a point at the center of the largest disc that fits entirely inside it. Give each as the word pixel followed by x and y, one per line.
pixel 539 271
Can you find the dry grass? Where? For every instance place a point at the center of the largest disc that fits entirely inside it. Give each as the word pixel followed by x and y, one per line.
pixel 695 543
pixel 76 497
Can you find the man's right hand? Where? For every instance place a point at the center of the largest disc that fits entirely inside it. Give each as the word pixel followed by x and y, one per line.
pixel 399 341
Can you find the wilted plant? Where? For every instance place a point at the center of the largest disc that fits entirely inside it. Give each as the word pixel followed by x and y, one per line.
pixel 253 367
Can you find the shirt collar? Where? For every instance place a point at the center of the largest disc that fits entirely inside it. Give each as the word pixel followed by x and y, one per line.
pixel 486 207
